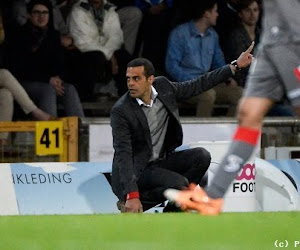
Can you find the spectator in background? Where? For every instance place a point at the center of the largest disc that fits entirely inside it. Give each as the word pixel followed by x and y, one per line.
pixel 72 56
pixel 246 31
pixel 227 20
pixel 181 12
pixel 130 19
pixel 193 49
pixel 10 90
pixel 36 59
pixel 96 30
pixel 241 37
pixel 65 7
pixel 21 16
pixel 154 30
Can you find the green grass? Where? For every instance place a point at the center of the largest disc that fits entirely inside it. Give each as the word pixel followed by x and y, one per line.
pixel 150 231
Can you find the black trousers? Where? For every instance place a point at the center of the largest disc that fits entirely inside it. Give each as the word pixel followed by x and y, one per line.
pixel 176 171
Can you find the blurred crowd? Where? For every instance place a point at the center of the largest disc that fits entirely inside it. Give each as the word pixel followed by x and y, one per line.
pixel 72 51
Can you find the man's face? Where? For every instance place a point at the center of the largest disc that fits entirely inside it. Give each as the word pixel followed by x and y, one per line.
pixel 138 85
pixel 39 16
pixel 212 15
pixel 97 4
pixel 250 15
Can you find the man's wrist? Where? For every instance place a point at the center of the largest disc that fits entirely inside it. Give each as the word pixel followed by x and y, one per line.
pixel 235 65
pixel 232 68
pixel 133 195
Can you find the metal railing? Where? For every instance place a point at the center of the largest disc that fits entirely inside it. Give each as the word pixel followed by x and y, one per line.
pixel 20 145
pixel 279 131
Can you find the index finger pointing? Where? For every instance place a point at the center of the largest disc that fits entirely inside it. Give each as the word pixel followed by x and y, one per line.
pixel 250 47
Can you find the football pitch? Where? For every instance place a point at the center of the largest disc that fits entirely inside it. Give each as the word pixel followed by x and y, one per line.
pixel 152 231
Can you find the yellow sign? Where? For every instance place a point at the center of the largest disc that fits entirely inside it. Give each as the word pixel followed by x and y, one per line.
pixel 49 138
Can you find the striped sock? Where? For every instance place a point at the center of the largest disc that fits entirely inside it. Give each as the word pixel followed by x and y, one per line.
pixel 240 150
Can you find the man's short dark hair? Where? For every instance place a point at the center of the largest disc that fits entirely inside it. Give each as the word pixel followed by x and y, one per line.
pixel 197 8
pixel 245 4
pixel 149 69
pixel 32 3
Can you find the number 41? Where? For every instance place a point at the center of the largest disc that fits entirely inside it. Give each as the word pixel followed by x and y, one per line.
pixel 45 139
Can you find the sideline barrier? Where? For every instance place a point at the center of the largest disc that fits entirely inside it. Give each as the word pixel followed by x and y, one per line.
pixel 82 188
pixel 100 135
pixel 8 198
pixel 291 168
pixel 12 196
pixel 56 188
pixel 274 190
pixel 240 196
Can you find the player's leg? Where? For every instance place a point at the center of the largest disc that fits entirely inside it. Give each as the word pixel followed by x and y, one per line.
pixel 250 114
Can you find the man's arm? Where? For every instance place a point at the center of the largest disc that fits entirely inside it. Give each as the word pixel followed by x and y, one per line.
pixel 209 80
pixel 123 160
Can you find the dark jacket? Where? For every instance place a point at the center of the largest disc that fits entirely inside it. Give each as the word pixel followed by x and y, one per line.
pixel 131 134
pixel 36 56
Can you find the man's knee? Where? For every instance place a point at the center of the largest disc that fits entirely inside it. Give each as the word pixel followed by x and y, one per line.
pixel 251 112
pixel 202 156
pixel 47 90
pixel 208 96
pixel 71 93
pixel 180 183
pixel 70 89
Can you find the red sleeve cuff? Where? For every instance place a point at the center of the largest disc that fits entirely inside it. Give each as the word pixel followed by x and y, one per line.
pixel 133 195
